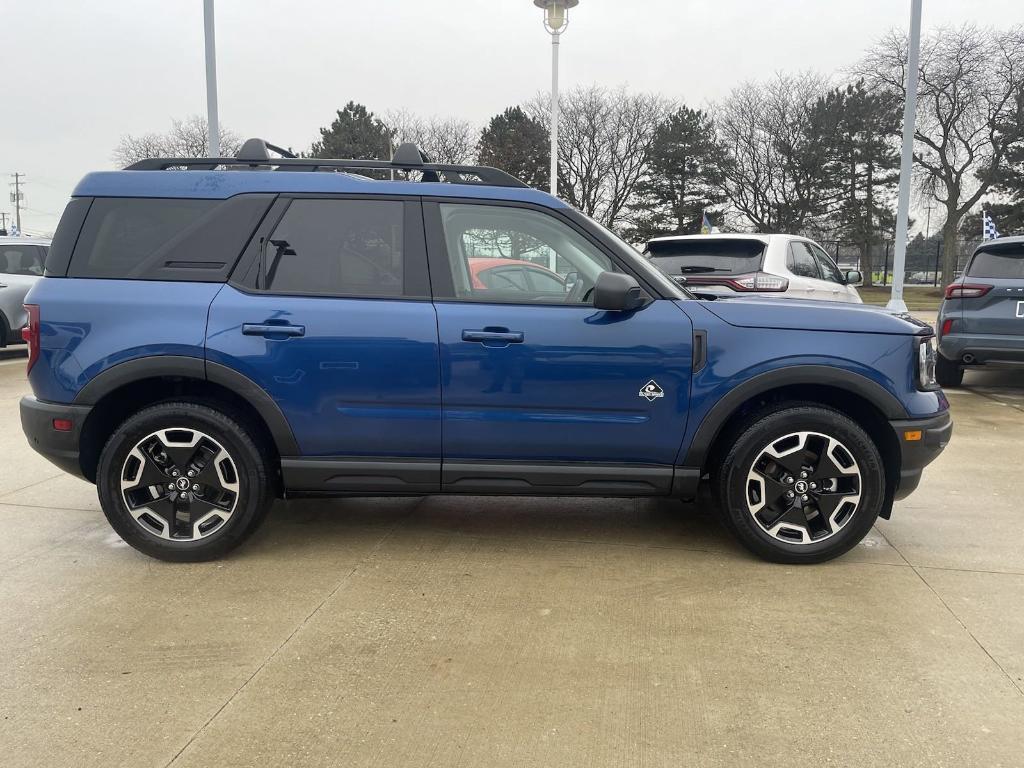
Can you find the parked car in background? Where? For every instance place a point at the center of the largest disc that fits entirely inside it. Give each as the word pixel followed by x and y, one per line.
pixel 981 320
pixel 768 265
pixel 21 264
pixel 514 275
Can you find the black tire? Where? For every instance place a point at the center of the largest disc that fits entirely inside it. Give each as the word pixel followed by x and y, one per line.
pixel 5 331
pixel 247 462
pixel 948 373
pixel 769 430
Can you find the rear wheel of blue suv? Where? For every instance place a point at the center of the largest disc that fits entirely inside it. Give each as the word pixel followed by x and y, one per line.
pixel 184 481
pixel 305 333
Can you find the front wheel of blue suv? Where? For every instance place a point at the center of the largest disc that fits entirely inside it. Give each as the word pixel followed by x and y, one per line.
pixel 802 483
pixel 182 481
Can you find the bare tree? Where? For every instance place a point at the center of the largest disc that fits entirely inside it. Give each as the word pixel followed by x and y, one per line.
pixel 970 113
pixel 187 138
pixel 442 139
pixel 777 149
pixel 604 146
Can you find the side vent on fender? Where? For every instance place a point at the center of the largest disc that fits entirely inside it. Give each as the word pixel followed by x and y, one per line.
pixel 700 350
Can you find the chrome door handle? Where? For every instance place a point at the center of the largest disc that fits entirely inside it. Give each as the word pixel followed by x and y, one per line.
pixel 257 329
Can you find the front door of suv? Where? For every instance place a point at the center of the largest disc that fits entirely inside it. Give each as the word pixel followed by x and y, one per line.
pixel 333 318
pixel 540 391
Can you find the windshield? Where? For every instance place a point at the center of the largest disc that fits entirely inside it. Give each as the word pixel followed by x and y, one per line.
pixel 1005 262
pixel 706 257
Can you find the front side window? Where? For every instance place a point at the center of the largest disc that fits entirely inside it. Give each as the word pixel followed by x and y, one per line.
pixel 337 248
pixel 506 254
pixel 21 259
pixel 829 270
pixel 801 260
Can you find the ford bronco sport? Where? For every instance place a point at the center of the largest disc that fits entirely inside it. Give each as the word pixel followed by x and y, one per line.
pixel 211 334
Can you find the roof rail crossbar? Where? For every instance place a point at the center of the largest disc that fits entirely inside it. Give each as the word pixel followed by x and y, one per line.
pixel 407 158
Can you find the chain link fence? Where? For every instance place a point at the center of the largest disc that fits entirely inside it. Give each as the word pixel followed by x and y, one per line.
pixel 924 259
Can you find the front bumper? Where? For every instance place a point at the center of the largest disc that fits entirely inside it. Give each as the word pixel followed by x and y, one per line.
pixel 916 454
pixel 62 448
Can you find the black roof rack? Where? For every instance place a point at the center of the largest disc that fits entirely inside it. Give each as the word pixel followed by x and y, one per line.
pixel 254 155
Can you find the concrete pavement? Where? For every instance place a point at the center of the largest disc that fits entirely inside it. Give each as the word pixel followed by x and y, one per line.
pixel 520 632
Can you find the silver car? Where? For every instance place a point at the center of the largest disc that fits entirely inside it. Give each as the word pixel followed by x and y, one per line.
pixel 768 265
pixel 21 264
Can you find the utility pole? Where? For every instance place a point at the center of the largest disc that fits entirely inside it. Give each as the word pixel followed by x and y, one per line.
pixel 16 199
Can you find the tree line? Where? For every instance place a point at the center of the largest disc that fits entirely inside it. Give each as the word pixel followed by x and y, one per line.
pixel 796 153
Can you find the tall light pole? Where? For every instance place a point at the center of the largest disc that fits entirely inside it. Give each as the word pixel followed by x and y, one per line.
pixel 556 19
pixel 212 123
pixel 896 302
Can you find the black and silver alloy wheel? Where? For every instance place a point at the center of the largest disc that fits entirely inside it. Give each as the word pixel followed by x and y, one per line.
pixel 803 487
pixel 184 481
pixel 180 484
pixel 800 483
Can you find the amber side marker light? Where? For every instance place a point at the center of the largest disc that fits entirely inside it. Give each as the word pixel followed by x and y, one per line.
pixel 912 435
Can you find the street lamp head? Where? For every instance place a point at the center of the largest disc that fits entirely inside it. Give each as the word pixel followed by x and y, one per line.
pixel 556 13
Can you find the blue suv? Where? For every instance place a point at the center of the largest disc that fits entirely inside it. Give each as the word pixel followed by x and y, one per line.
pixel 212 334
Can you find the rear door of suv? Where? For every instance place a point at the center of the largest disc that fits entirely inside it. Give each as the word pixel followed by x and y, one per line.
pixel 998 269
pixel 329 311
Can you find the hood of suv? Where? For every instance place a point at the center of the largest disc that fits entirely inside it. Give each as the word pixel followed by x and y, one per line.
pixel 796 314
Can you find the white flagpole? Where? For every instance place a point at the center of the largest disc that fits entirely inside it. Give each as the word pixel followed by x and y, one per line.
pixel 896 303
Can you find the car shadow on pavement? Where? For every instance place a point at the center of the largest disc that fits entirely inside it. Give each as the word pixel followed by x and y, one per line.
pixel 312 524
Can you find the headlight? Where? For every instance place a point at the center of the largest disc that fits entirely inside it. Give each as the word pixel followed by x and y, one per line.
pixel 926 363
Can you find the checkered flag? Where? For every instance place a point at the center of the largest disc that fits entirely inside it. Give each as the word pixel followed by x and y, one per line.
pixel 988 227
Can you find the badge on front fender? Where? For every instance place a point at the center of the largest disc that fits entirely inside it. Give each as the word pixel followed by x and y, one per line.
pixel 651 391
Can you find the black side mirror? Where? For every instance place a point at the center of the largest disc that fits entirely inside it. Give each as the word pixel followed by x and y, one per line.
pixel 617 292
pixel 854 277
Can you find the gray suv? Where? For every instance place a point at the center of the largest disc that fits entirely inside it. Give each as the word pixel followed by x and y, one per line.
pixel 981 320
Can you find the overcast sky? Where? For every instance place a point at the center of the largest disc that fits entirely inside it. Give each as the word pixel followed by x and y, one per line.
pixel 79 75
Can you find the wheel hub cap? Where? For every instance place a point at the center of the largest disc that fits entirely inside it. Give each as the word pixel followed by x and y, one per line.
pixel 803 487
pixel 179 484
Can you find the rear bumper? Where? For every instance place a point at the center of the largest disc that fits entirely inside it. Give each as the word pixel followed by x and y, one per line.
pixel 62 448
pixel 915 455
pixel 1008 350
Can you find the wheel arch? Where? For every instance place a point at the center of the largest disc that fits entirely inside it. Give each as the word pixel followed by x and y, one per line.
pixel 127 387
pixel 866 402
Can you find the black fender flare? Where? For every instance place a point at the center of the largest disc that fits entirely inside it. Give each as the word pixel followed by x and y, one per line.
pixel 183 366
pixel 837 378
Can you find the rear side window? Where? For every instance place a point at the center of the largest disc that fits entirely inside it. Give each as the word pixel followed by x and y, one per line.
pixel 120 234
pixel 704 257
pixel 1003 263
pixel 165 238
pixel 18 259
pixel 338 248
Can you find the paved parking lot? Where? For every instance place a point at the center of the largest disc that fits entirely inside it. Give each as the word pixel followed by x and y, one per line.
pixel 525 632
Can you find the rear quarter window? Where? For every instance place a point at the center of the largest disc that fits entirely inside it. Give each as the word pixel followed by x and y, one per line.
pixel 1004 262
pixel 165 238
pixel 696 257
